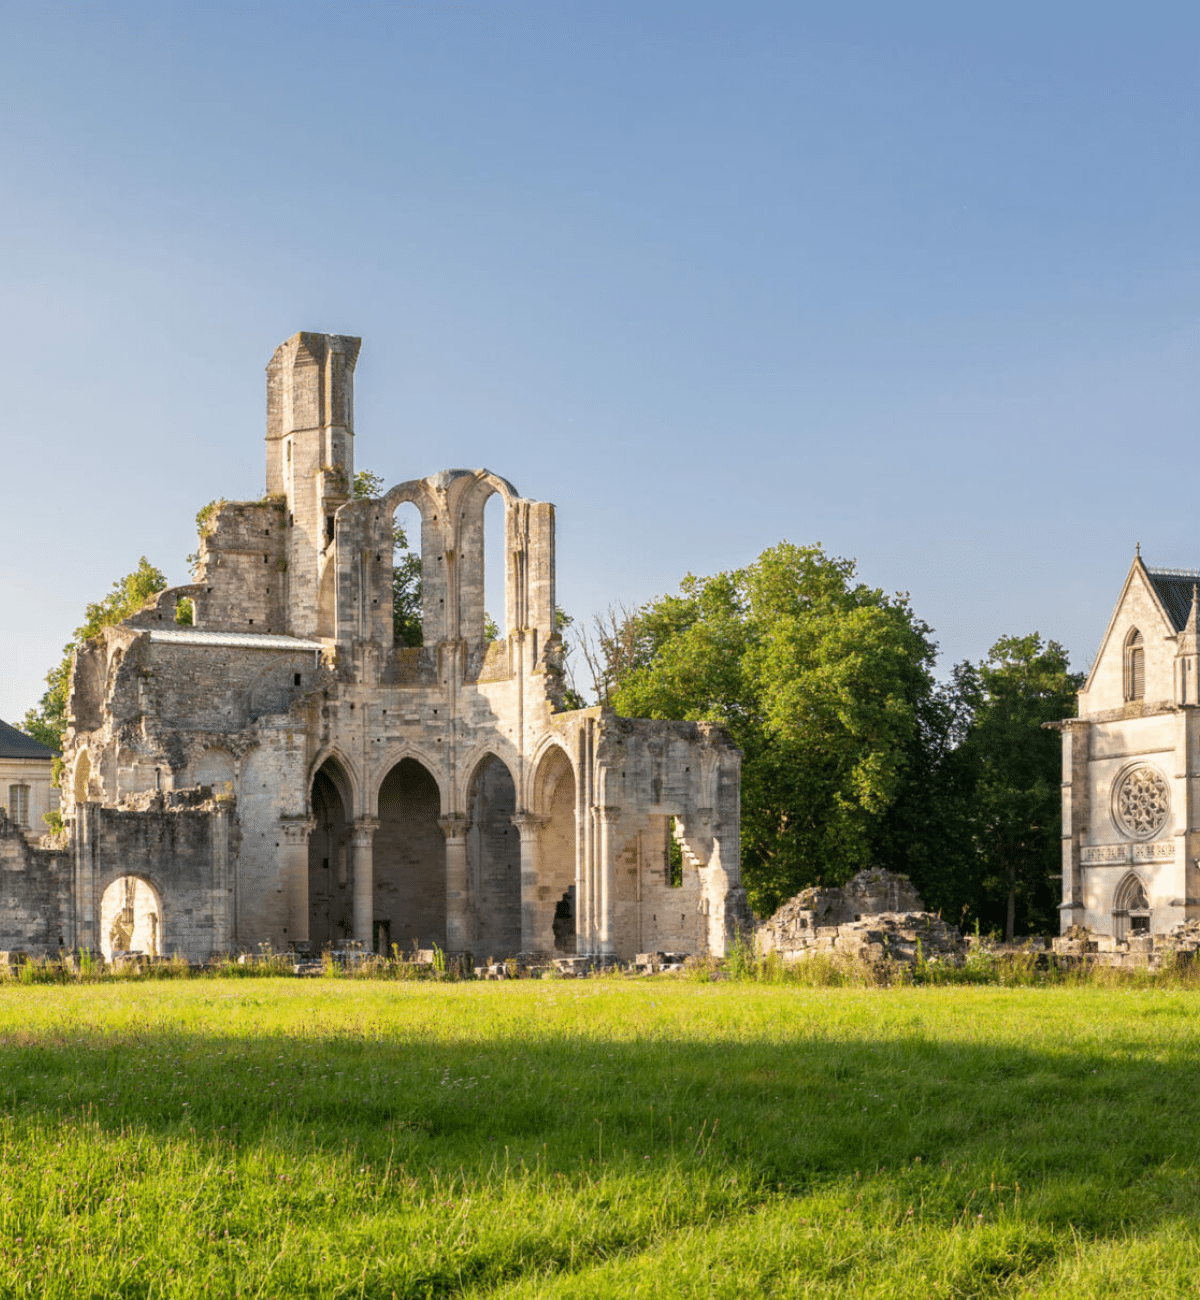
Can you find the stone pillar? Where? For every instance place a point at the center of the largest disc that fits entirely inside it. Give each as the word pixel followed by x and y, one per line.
pixel 1076 815
pixel 222 883
pixel 294 870
pixel 606 880
pixel 537 919
pixel 362 837
pixel 458 910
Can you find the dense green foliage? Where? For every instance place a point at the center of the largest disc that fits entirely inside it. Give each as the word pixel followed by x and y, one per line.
pixel 406 569
pixel 596 1138
pixel 977 824
pixel 853 754
pixel 47 722
pixel 819 679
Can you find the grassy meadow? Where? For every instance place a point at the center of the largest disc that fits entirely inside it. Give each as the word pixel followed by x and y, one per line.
pixel 603 1137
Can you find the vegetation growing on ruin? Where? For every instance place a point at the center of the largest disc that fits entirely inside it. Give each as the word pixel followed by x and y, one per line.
pixel 47 721
pixel 597 1137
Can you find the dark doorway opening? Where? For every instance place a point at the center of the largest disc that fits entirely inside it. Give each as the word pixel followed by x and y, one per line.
pixel 410 857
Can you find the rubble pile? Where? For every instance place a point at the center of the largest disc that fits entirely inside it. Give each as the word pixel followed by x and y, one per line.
pixel 875 917
pixel 1143 951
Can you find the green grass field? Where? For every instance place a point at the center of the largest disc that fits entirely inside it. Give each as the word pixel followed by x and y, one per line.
pixel 597 1137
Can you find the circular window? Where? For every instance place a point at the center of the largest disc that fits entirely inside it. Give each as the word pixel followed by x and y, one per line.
pixel 1141 801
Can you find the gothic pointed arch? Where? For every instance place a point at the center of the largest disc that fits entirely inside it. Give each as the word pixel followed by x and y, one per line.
pixel 1131 907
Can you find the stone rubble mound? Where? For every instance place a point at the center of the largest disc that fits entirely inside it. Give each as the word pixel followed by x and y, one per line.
pixel 875 917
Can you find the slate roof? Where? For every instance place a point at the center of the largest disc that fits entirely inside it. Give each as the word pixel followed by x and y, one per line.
pixel 16 744
pixel 1174 587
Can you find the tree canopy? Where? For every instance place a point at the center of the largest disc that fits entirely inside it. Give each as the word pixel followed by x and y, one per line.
pixel 47 721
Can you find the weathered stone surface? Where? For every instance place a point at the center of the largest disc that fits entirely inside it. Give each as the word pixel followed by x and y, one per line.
pixel 876 916
pixel 282 771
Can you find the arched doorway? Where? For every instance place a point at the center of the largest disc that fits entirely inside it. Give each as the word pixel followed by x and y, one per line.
pixel 494 860
pixel 330 900
pixel 553 920
pixel 1131 908
pixel 131 918
pixel 410 860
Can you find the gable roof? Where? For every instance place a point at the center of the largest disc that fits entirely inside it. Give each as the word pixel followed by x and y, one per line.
pixel 16 744
pixel 1139 570
pixel 1174 589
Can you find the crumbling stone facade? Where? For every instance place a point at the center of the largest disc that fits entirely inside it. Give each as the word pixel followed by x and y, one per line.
pixel 281 771
pixel 876 916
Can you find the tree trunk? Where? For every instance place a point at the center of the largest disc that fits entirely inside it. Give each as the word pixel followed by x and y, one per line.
pixel 1011 922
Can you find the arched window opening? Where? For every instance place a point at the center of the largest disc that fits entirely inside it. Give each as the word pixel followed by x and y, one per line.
pixel 406 575
pixel 1131 908
pixel 131 918
pixel 495 570
pixel 1135 666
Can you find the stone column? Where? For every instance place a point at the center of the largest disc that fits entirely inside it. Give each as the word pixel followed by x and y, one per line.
pixel 222 884
pixel 606 880
pixel 458 910
pixel 294 848
pixel 362 837
pixel 537 919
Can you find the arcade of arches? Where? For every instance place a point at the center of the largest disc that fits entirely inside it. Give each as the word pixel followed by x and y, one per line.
pixel 288 770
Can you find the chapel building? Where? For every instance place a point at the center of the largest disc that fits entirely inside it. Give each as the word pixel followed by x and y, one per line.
pixel 1131 762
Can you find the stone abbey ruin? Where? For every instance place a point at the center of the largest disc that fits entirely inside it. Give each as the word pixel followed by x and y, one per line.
pixel 281 771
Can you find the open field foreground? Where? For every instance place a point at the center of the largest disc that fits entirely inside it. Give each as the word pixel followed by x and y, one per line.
pixel 598 1137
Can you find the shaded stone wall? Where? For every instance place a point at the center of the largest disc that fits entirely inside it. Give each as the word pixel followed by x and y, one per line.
pixel 36 911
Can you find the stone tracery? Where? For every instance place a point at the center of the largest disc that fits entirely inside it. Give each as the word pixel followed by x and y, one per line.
pixel 1141 802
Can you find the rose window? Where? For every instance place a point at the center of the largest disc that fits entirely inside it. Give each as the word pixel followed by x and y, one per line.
pixel 1142 802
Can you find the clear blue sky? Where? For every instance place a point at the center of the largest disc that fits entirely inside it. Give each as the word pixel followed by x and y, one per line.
pixel 918 281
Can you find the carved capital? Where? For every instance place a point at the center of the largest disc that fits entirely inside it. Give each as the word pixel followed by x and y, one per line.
pixel 454 827
pixel 296 830
pixel 362 831
pixel 528 825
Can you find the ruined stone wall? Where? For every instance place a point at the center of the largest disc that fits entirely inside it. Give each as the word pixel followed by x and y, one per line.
pixel 243 568
pixel 36 911
pixel 182 848
pixel 472 810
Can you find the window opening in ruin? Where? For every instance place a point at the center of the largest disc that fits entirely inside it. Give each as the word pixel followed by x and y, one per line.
pixel 295 679
pixel 406 576
pixel 674 855
pixel 18 804
pixel 131 918
pixel 1135 666
pixel 494 569
pixel 328 530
